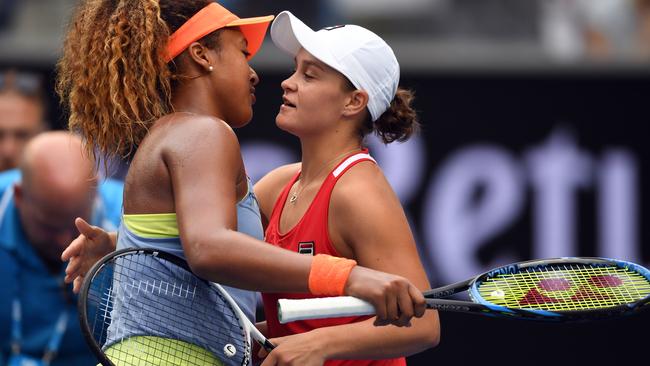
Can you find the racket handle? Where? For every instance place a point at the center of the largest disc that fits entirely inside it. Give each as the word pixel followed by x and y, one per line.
pixel 319 308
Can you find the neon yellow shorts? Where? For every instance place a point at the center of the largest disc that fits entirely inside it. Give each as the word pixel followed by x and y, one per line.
pixel 157 351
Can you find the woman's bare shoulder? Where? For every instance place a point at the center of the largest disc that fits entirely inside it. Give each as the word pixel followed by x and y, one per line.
pixel 193 125
pixel 180 133
pixel 281 175
pixel 365 180
pixel 268 188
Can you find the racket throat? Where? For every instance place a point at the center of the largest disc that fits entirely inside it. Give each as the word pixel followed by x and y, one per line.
pixel 266 344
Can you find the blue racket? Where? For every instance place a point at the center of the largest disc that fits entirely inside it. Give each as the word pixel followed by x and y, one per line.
pixel 559 289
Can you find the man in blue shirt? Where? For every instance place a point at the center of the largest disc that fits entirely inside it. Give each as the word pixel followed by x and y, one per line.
pixel 38 205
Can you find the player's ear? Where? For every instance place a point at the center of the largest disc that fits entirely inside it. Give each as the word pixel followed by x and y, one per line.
pixel 355 103
pixel 199 56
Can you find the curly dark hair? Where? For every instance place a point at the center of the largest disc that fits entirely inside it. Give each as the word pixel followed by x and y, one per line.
pixel 112 78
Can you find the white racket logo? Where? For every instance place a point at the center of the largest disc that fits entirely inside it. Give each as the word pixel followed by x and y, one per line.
pixel 229 350
pixel 498 294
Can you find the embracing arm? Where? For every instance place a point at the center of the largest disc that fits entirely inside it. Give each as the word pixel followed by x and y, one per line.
pixel 204 174
pixel 367 223
pixel 90 246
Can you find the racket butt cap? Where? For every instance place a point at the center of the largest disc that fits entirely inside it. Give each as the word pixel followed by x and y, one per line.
pixel 290 310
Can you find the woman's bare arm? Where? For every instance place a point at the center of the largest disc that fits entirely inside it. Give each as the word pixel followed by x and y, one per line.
pixel 204 173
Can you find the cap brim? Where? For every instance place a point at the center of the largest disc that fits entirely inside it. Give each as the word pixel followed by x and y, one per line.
pixel 286 29
pixel 254 30
pixel 290 34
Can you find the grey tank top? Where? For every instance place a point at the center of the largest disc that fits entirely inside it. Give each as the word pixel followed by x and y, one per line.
pixel 248 222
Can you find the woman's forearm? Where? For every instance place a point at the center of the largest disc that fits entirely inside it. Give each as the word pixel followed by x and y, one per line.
pixel 363 340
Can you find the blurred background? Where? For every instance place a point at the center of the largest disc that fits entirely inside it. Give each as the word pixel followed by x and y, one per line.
pixel 533 114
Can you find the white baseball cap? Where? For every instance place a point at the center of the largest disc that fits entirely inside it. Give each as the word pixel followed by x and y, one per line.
pixel 357 53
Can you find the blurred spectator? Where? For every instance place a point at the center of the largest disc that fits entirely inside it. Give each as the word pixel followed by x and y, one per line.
pixel 317 12
pixel 22 113
pixel 571 29
pixel 55 184
pixel 475 32
pixel 445 19
pixel 643 14
pixel 6 10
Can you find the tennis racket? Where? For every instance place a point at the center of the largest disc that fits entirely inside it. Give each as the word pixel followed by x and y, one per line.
pixel 146 307
pixel 559 289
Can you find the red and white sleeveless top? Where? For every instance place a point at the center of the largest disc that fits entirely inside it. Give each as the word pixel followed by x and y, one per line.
pixel 310 236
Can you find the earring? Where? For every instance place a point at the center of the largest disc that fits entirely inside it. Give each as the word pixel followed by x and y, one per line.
pixel 210 68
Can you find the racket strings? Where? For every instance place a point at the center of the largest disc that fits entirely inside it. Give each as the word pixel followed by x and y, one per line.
pixel 566 287
pixel 144 310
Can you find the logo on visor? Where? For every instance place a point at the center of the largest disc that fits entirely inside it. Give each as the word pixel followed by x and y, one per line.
pixel 334 27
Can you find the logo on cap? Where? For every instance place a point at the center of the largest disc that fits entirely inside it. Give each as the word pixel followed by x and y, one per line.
pixel 334 27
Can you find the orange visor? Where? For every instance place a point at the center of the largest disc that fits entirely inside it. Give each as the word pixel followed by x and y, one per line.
pixel 211 18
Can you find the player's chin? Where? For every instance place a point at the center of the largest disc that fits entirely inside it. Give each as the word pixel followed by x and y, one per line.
pixel 285 124
pixel 242 119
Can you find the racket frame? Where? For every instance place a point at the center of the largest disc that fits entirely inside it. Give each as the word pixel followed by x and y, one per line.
pixel 250 331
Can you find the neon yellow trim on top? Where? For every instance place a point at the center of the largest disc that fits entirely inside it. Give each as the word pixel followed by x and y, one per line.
pixel 157 226
pixel 157 351
pixel 152 226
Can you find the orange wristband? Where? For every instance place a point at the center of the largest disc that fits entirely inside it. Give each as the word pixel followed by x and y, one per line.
pixel 329 274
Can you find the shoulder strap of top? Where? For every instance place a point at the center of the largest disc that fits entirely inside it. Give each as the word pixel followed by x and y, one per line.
pixel 350 161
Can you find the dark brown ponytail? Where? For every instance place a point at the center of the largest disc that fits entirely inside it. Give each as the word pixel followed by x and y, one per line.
pixel 398 123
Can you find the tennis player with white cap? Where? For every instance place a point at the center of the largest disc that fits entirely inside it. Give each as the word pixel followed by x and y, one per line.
pixel 337 201
pixel 364 58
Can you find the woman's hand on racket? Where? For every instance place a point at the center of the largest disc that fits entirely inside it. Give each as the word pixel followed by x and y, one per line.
pixel 295 350
pixel 90 246
pixel 395 298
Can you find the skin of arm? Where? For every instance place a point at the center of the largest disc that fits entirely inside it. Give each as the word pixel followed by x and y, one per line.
pixel 206 232
pixel 367 223
pixel 204 174
pixel 204 164
pixel 90 246
pixel 204 168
